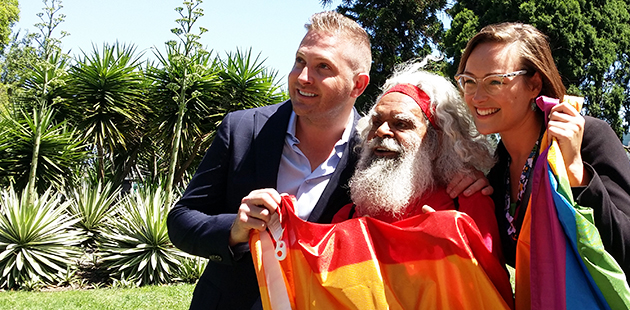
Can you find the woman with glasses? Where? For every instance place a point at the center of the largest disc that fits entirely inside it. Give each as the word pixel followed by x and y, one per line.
pixel 503 69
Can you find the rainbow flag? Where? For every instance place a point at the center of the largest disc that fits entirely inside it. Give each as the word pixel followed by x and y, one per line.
pixel 429 261
pixel 561 262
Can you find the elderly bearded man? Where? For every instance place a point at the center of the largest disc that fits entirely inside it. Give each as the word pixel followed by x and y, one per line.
pixel 415 140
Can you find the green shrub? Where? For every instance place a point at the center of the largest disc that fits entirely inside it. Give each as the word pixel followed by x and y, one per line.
pixel 36 240
pixel 137 243
pixel 191 268
pixel 92 204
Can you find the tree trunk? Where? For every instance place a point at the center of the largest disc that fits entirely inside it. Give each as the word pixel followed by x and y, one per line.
pixel 32 178
pixel 176 140
pixel 186 164
pixel 100 159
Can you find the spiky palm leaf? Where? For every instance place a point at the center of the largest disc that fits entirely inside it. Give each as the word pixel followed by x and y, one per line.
pixel 93 205
pixel 46 80
pixel 60 151
pixel 202 88
pixel 199 72
pixel 138 244
pixel 108 86
pixel 247 83
pixel 36 240
pixel 191 268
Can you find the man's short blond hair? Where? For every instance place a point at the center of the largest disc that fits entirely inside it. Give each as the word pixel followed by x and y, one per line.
pixel 338 24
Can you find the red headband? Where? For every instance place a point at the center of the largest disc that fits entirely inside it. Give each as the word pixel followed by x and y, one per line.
pixel 419 96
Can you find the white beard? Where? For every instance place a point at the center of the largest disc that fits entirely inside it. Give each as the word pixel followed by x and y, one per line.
pixel 384 185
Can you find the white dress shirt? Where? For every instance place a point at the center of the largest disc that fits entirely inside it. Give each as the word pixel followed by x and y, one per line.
pixel 295 176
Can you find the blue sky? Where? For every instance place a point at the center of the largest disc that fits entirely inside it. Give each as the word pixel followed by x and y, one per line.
pixel 273 28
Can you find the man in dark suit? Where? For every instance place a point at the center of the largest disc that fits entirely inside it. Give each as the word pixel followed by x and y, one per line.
pixel 303 147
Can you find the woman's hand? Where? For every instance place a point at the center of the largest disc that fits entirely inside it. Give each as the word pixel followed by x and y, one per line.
pixel 567 126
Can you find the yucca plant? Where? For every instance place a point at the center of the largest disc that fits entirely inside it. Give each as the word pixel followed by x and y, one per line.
pixel 187 76
pixel 92 204
pixel 137 243
pixel 125 282
pixel 27 136
pixel 37 240
pixel 191 268
pixel 248 83
pixel 108 99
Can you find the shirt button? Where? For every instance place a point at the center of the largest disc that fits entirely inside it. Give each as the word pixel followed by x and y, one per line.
pixel 215 258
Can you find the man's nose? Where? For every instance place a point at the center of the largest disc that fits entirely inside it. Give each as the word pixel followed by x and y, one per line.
pixel 384 130
pixel 304 76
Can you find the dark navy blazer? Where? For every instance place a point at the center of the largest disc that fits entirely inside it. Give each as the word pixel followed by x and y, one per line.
pixel 244 156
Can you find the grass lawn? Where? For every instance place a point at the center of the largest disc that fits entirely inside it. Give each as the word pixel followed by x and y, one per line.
pixel 147 297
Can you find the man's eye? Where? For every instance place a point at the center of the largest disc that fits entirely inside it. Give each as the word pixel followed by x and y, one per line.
pixel 324 66
pixel 402 125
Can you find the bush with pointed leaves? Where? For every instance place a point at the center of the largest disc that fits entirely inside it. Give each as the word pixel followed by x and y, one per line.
pixel 92 205
pixel 191 268
pixel 137 244
pixel 37 240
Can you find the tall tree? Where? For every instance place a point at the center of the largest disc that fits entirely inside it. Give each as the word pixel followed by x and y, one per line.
pixel 107 91
pixel 18 61
pixel 58 150
pixel 36 60
pixel 243 83
pixel 590 41
pixel 186 63
pixel 47 75
pixel 36 151
pixel 9 14
pixel 180 95
pixel 216 87
pixel 399 30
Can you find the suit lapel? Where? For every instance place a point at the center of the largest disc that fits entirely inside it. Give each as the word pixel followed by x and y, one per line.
pixel 269 135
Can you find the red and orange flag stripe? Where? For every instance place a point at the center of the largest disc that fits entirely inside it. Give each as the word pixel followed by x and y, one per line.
pixel 429 261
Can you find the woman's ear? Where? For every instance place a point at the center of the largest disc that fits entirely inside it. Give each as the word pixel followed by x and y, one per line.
pixel 535 84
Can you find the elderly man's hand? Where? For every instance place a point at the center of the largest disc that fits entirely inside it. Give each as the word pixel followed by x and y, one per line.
pixel 468 184
pixel 254 213
pixel 427 209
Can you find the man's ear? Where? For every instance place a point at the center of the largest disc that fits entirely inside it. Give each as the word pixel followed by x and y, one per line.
pixel 361 81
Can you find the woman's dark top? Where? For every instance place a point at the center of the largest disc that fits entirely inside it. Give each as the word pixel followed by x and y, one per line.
pixel 608 192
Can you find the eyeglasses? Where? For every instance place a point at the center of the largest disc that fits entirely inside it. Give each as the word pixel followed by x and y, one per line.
pixel 492 84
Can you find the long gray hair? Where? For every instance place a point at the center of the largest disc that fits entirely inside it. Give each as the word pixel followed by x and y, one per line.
pixel 457 145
